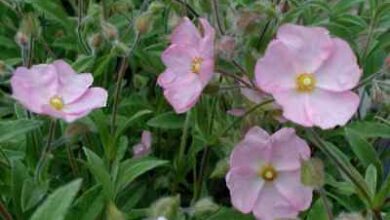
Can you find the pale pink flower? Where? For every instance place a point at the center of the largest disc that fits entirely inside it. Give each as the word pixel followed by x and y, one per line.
pixel 144 147
pixel 190 64
pixel 238 112
pixel 264 175
pixel 310 75
pixel 57 90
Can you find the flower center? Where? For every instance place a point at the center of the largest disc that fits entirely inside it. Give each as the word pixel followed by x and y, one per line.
pixel 56 102
pixel 305 82
pixel 268 173
pixel 196 64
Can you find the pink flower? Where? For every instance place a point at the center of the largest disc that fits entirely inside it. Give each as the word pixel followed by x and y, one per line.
pixel 310 75
pixel 264 175
pixel 190 64
pixel 144 147
pixel 56 90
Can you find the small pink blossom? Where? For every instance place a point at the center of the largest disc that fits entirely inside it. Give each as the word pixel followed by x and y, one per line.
pixel 57 90
pixel 190 64
pixel 144 147
pixel 238 112
pixel 310 75
pixel 264 175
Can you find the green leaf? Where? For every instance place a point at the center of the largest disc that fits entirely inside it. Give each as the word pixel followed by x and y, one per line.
pixel 83 63
pixel 99 171
pixel 362 149
pixel 370 129
pixel 344 5
pixel 54 11
pixel 89 205
pixel 129 170
pixel 318 211
pixel 33 193
pixel 57 203
pixel 383 193
pixel 168 120
pixel 123 126
pixel 15 128
pixel 371 178
pixel 230 214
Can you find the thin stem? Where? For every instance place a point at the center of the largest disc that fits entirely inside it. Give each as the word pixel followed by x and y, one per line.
pixel 239 119
pixel 369 38
pixel 216 12
pixel 46 151
pixel 326 204
pixel 71 160
pixel 121 73
pixel 368 79
pixel 224 73
pixel 4 212
pixel 183 142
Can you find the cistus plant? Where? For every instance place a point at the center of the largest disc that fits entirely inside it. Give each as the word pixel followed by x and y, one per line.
pixel 188 109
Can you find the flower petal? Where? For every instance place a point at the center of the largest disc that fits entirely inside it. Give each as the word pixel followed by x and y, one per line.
pixel 206 71
pixel 294 105
pixel 288 150
pixel 71 84
pixel 340 72
pixel 310 46
pixel 244 186
pixel 34 87
pixel 271 205
pixel 146 139
pixel 166 78
pixel 184 92
pixel 290 186
pixel 186 34
pixel 276 70
pixel 253 151
pixel 95 97
pixel 328 109
pixel 207 41
pixel 178 58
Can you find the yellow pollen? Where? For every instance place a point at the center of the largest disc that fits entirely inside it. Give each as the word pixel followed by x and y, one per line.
pixel 268 173
pixel 305 82
pixel 57 103
pixel 196 64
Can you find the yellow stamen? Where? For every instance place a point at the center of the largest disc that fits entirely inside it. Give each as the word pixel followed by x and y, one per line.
pixel 57 103
pixel 268 173
pixel 305 82
pixel 196 64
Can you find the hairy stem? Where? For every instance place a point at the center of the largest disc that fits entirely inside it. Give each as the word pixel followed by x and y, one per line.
pixel 4 212
pixel 46 150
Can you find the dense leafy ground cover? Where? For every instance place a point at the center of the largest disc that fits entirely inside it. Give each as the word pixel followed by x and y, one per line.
pixel 88 169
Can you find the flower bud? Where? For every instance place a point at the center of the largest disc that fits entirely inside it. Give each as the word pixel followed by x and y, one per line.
pixel 110 32
pixel 22 39
pixel 312 173
pixel 204 207
pixel 95 41
pixel 220 169
pixel 143 23
pixel 226 46
pixel 167 207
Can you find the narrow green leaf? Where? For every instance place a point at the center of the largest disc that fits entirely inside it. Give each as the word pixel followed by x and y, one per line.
pixel 168 120
pixel 230 214
pixel 54 11
pixel 129 170
pixel 371 178
pixel 89 205
pixel 370 129
pixel 99 171
pixel 33 193
pixel 57 203
pixel 383 193
pixel 362 149
pixel 14 128
pixel 123 126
